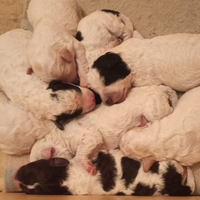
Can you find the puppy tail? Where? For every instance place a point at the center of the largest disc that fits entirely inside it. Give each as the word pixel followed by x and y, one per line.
pixel 173 97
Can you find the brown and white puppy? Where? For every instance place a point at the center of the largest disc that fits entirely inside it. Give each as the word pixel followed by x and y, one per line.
pixel 175 137
pixel 116 175
pixel 171 60
pixel 104 127
pixel 54 53
pixel 54 101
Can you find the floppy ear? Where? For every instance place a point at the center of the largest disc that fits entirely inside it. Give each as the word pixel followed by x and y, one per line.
pixel 64 117
pixel 58 162
pixel 147 163
pixel 66 55
pixel 55 85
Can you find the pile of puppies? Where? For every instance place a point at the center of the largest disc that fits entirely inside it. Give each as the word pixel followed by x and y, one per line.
pixel 140 113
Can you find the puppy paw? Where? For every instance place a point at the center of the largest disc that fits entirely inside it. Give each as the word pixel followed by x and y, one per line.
pixel 84 83
pixel 89 167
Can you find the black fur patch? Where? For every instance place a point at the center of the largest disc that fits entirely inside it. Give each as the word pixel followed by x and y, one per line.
pixel 130 169
pixel 56 85
pixel 111 67
pixel 48 176
pixel 105 163
pixel 173 186
pixel 154 168
pixel 144 190
pixel 79 36
pixel 111 11
pixel 64 117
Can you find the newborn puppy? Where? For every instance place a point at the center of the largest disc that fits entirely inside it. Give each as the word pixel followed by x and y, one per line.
pixel 116 175
pixel 55 101
pixel 54 53
pixel 171 60
pixel 175 137
pixel 101 31
pixel 103 128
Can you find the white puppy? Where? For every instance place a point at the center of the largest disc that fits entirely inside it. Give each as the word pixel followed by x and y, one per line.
pixel 53 101
pixel 172 60
pixel 116 175
pixel 54 53
pixel 19 129
pixel 103 128
pixel 175 137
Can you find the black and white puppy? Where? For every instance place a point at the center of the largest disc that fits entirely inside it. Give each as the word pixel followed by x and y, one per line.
pixel 116 175
pixel 52 101
pixel 171 60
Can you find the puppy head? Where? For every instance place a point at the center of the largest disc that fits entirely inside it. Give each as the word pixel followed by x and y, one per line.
pixel 111 78
pixel 43 177
pixel 56 65
pixel 69 100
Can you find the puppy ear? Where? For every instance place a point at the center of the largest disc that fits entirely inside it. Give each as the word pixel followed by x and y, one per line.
pixel 58 162
pixel 66 55
pixel 147 163
pixel 55 85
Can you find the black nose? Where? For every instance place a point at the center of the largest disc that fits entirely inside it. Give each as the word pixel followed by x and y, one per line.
pixel 109 102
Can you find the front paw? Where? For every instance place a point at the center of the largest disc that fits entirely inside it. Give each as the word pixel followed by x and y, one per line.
pixel 84 83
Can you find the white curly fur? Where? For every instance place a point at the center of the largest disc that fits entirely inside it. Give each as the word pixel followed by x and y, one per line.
pixel 19 129
pixel 172 60
pixel 28 91
pixel 104 127
pixel 54 53
pixel 175 137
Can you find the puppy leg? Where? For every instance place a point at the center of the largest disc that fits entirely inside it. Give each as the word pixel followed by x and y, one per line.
pixel 90 144
pixel 82 64
pixel 190 180
pixel 128 27
pixel 136 34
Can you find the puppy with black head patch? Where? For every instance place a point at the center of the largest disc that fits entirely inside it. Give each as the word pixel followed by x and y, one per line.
pixel 116 175
pixel 44 101
pixel 171 60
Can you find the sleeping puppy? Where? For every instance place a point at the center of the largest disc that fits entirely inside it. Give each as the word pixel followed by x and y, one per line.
pixel 54 53
pixel 103 30
pixel 54 101
pixel 116 175
pixel 103 127
pixel 175 137
pixel 171 60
